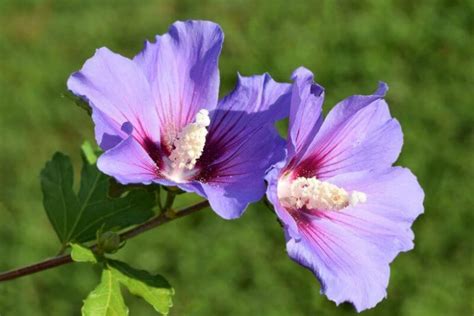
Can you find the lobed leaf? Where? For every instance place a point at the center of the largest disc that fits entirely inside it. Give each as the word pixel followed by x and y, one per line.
pixel 152 288
pixel 106 299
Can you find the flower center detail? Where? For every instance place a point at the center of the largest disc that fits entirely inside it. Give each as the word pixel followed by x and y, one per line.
pixel 189 144
pixel 315 194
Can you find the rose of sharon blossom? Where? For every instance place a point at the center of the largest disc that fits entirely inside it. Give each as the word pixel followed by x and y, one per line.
pixel 345 209
pixel 158 119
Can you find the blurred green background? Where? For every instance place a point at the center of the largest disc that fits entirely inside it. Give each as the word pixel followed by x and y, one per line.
pixel 424 50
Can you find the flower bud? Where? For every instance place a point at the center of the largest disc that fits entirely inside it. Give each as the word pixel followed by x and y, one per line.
pixel 108 242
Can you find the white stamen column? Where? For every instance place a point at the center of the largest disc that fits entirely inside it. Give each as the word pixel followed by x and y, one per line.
pixel 189 144
pixel 315 194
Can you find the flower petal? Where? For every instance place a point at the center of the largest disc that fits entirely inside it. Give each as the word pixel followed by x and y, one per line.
pixel 118 92
pixel 358 134
pixel 257 94
pixel 230 201
pixel 242 143
pixel 128 162
pixel 394 192
pixel 194 187
pixel 108 133
pixel 237 179
pixel 349 269
pixel 305 114
pixel 181 67
pixel 350 250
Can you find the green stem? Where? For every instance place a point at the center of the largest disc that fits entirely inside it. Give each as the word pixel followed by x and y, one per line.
pixel 169 200
pixel 158 198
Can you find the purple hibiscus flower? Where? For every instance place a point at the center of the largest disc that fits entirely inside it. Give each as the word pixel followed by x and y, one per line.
pixel 158 119
pixel 345 209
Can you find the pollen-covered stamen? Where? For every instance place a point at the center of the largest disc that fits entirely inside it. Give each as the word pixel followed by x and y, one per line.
pixel 315 194
pixel 189 144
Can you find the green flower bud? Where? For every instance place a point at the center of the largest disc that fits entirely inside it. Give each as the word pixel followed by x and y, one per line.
pixel 108 242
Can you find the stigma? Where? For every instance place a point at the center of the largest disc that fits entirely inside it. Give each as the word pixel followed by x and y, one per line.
pixel 189 143
pixel 311 193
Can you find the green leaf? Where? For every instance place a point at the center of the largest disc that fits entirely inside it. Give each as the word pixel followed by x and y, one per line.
pixel 106 299
pixel 77 217
pixel 82 254
pixel 152 288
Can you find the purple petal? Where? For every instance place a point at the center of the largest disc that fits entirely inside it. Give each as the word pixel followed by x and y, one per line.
pixel 231 200
pixel 242 144
pixel 350 250
pixel 349 269
pixel 236 179
pixel 358 134
pixel 108 134
pixel 305 115
pixel 181 67
pixel 194 187
pixel 118 92
pixel 257 94
pixel 128 162
pixel 394 192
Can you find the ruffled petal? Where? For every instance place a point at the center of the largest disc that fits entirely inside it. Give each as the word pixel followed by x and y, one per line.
pixel 358 134
pixel 128 162
pixel 350 250
pixel 118 92
pixel 306 112
pixel 182 69
pixel 243 143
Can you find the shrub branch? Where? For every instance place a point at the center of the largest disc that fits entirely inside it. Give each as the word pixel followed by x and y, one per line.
pixel 156 221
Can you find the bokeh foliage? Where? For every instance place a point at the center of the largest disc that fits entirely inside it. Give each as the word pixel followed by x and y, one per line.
pixel 423 49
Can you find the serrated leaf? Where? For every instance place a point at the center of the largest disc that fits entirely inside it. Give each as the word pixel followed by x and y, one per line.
pixel 77 217
pixel 106 299
pixel 152 288
pixel 82 254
